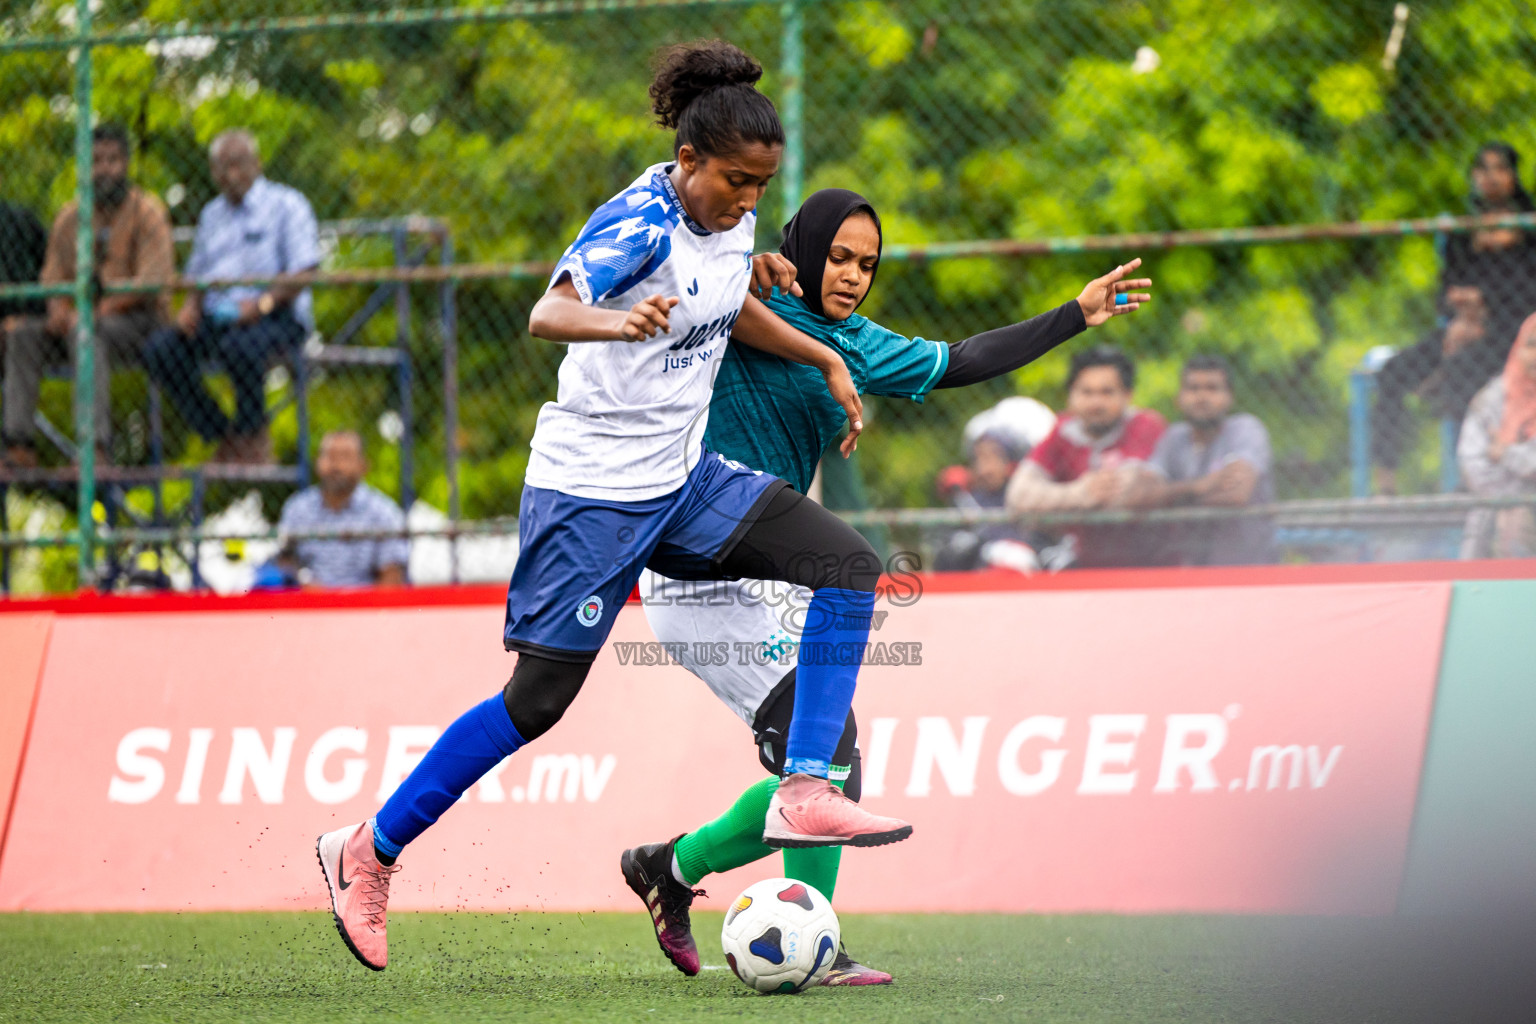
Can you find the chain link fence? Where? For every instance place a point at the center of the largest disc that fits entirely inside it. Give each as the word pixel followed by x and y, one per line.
pixel 476 139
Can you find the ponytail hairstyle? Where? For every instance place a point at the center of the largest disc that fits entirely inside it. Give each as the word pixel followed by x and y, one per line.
pixel 706 91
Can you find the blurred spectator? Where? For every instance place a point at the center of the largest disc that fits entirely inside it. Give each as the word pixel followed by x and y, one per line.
pixel 341 501
pixel 133 244
pixel 1089 459
pixel 1497 452
pixel 1488 286
pixel 1499 262
pixel 254 228
pixel 23 246
pixel 995 441
pixel 1215 459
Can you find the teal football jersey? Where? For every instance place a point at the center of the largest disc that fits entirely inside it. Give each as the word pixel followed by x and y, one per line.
pixel 775 415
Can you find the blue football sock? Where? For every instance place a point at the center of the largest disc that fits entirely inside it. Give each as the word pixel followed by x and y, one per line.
pixel 831 649
pixel 471 746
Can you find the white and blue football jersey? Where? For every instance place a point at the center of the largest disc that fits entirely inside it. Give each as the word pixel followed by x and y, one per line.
pixel 629 417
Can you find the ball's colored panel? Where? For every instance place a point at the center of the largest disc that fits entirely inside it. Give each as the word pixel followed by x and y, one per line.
pixel 730 958
pixel 797 895
pixel 742 903
pixel 769 946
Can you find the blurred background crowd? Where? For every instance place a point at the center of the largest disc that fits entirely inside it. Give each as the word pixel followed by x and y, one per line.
pixel 427 168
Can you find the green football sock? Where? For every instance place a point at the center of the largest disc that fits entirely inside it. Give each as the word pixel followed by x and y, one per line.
pixel 736 838
pixel 816 866
pixel 731 840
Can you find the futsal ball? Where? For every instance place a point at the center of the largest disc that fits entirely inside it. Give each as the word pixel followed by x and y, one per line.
pixel 780 935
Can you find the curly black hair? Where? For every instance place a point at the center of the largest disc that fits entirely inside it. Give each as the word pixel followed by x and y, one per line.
pixel 707 92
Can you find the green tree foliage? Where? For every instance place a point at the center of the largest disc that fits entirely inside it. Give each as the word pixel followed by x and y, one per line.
pixel 1065 119
pixel 961 119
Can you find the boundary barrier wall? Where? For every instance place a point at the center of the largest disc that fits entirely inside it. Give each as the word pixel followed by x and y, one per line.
pixel 1474 839
pixel 1258 740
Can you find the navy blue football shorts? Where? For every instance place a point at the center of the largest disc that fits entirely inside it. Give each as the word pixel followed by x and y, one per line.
pixel 580 558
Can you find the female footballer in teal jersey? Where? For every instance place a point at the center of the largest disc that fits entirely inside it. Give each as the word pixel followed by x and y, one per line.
pixel 771 413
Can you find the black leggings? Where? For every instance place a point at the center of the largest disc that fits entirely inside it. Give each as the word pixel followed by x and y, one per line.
pixel 793 539
pixel 770 730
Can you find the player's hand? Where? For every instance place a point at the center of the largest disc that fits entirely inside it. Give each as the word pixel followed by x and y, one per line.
pixel 1099 297
pixel 840 386
pixel 647 318
pixel 770 270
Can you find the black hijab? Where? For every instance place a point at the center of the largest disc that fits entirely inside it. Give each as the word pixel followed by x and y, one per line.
pixel 808 238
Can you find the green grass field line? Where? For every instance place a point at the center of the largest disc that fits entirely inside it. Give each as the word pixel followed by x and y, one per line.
pixel 565 967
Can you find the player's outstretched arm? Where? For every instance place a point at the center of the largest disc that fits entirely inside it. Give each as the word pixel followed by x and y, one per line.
pixel 760 328
pixel 561 316
pixel 996 352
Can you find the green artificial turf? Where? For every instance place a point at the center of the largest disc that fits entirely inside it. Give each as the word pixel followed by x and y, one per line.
pixel 561 967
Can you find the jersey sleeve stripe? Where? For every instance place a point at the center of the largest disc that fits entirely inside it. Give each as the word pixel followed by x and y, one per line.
pixel 578 276
pixel 940 358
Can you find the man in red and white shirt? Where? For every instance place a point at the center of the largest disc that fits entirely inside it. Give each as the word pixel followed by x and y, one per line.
pixel 1088 461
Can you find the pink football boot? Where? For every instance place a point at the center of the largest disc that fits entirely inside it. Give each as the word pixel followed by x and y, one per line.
pixel 808 811
pixel 848 971
pixel 359 887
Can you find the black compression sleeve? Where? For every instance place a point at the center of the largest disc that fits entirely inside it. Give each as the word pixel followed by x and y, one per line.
pixel 994 353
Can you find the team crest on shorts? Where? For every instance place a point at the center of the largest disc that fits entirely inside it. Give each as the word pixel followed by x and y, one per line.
pixel 590 611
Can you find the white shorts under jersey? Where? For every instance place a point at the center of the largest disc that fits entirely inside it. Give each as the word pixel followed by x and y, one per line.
pixel 756 620
pixel 629 417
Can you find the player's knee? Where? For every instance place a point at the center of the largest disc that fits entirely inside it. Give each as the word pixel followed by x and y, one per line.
pixel 539 692
pixel 848 562
pixel 861 569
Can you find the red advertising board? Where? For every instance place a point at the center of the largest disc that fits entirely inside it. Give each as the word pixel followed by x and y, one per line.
pixel 1194 749
pixel 23 642
pixel 1247 749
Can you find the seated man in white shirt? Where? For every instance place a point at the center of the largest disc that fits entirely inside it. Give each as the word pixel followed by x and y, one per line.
pixel 341 501
pixel 253 228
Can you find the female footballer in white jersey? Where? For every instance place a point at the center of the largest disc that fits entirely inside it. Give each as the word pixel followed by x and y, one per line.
pixel 619 479
pixel 772 413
